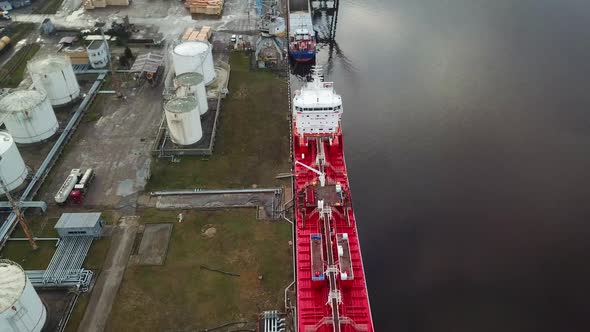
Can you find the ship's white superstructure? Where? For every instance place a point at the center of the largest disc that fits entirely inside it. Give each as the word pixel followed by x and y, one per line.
pixel 317 108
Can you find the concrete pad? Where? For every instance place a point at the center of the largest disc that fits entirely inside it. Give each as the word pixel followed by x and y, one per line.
pixel 154 244
pixel 264 202
pixel 116 146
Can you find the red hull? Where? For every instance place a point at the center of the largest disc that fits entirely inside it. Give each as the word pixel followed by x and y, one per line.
pixel 313 311
pixel 303 59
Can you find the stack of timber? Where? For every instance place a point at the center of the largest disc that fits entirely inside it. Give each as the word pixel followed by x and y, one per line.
pixel 207 7
pixel 92 4
pixel 192 34
pixel 77 55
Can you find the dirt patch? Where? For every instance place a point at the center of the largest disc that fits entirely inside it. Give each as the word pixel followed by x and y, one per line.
pixel 242 92
pixel 209 232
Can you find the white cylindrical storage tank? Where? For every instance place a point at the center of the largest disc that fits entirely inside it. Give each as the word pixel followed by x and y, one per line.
pixel 184 120
pixel 194 56
pixel 12 166
pixel 55 76
pixel 29 117
pixel 21 308
pixel 193 84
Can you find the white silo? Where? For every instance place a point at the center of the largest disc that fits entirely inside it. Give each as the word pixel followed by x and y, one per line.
pixel 55 76
pixel 194 56
pixel 21 308
pixel 12 166
pixel 184 120
pixel 191 83
pixel 28 116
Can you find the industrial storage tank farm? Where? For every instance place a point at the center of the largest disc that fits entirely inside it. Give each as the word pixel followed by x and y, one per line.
pixel 192 84
pixel 28 116
pixel 184 120
pixel 13 171
pixel 55 76
pixel 194 56
pixel 21 309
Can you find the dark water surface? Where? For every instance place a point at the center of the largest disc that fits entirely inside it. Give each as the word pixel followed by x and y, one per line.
pixel 467 130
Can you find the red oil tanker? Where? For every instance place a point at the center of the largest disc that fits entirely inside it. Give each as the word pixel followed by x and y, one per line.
pixel 331 287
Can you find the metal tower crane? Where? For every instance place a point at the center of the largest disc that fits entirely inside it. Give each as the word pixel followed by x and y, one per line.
pixel 19 215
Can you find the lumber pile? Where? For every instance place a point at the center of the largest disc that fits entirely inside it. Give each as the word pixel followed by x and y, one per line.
pixel 192 34
pixel 207 7
pixel 92 4
pixel 77 55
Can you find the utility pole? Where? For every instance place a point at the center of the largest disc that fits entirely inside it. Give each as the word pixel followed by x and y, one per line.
pixel 19 215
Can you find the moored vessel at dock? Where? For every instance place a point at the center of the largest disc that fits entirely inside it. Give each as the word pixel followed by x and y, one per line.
pixel 331 287
pixel 302 41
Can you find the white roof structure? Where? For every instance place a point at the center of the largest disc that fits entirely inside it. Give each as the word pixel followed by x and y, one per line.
pixel 317 94
pixel 49 64
pixel 78 220
pixel 12 283
pixel 192 48
pixel 148 63
pixel 21 100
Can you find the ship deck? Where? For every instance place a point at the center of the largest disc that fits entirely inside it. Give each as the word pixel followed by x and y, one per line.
pixel 339 243
pixel 299 5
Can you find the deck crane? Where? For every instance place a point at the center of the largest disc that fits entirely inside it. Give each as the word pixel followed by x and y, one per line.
pixel 321 174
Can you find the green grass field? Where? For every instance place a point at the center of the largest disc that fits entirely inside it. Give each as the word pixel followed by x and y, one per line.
pixel 252 145
pixel 49 7
pixel 19 30
pixel 181 295
pixel 13 71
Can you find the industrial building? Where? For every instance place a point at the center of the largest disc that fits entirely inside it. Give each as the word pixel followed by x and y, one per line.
pixel 98 54
pixel 80 224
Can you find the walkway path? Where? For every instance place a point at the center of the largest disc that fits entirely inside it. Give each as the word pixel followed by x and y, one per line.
pixel 109 280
